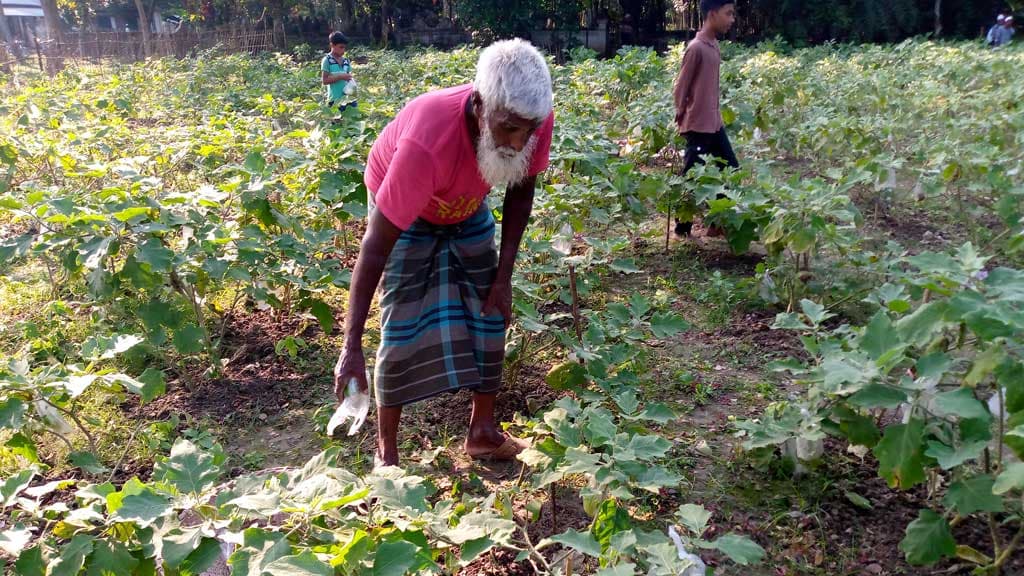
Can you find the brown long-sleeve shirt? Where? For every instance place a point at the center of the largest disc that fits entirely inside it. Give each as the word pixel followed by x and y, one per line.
pixel 696 90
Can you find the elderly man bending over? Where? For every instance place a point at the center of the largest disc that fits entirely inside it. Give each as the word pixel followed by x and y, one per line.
pixel 446 297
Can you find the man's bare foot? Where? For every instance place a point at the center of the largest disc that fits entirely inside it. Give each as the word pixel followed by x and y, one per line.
pixel 484 439
pixel 386 456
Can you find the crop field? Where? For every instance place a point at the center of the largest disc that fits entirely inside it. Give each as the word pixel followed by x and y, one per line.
pixel 835 386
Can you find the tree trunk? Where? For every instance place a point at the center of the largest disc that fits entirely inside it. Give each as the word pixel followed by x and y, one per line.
pixel 55 33
pixel 5 31
pixel 52 16
pixel 385 16
pixel 147 49
pixel 938 18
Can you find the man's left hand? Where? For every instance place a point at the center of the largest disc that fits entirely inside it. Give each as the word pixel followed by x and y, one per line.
pixel 499 301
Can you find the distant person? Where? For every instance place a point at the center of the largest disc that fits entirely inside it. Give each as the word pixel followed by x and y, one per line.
pixel 336 73
pixel 627 32
pixel 446 289
pixel 1008 30
pixel 995 32
pixel 698 116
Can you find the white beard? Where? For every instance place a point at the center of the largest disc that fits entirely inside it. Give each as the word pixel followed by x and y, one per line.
pixel 501 167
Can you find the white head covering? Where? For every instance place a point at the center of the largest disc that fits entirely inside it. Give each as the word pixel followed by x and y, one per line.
pixel 1001 18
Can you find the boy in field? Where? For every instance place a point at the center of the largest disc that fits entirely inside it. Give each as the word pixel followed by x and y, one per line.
pixel 696 95
pixel 336 73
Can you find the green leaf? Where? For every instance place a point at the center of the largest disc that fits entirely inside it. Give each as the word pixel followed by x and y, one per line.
pixel 30 563
pixel 667 325
pixel 87 461
pixel 619 312
pixel 72 557
pixel 255 163
pixel 624 265
pixel 1012 478
pixel 984 364
pixel 471 550
pixel 12 413
pixel 878 396
pixel 694 517
pixel 396 558
pixel 110 558
pixel 23 446
pixel 323 313
pixel 132 213
pixel 933 366
pixel 658 413
pixel 815 312
pixel 973 495
pixel 609 521
pixel 740 549
pixel 153 385
pixel 143 508
pixel 962 403
pixel 304 564
pixel 190 339
pixel 568 375
pixel 202 558
pixel 899 454
pixel 920 327
pixel 14 484
pixel 583 542
pixel 14 539
pixel 154 253
pixel 626 569
pixel 190 470
pixel 879 336
pixel 949 458
pixel 177 544
pixel 330 186
pixel 1010 376
pixel 259 548
pixel 927 539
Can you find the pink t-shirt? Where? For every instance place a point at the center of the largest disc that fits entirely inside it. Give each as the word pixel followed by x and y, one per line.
pixel 423 165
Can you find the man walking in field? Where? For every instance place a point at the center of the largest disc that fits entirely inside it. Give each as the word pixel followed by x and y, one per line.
pixel 697 94
pixel 995 32
pixel 336 73
pixel 446 295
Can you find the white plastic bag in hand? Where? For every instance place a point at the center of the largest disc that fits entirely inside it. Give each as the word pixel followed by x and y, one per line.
pixel 350 87
pixel 356 406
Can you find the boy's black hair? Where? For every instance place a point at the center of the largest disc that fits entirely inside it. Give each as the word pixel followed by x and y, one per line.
pixel 338 38
pixel 709 5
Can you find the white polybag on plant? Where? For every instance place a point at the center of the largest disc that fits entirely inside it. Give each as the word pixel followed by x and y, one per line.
pixel 697 566
pixel 351 87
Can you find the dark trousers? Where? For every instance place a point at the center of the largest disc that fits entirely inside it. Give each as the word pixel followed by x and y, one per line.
pixel 342 107
pixel 698 146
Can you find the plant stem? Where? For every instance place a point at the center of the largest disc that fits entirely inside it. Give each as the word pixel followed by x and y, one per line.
pixel 1010 548
pixel 78 422
pixel 575 304
pixel 554 509
pixel 668 228
pixel 127 447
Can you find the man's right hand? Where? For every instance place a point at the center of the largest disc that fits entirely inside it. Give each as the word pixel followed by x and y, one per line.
pixel 351 364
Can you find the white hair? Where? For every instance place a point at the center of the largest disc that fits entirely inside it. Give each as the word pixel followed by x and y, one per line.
pixel 512 75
